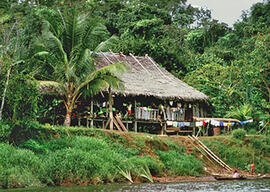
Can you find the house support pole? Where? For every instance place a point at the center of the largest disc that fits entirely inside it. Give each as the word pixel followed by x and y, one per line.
pixel 110 109
pixel 135 112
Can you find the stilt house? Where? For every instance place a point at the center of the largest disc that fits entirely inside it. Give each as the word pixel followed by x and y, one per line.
pixel 153 100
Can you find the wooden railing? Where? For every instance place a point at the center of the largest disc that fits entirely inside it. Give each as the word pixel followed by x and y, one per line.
pixel 175 115
pixel 146 113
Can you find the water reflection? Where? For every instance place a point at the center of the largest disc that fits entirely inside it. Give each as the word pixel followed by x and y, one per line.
pixel 228 186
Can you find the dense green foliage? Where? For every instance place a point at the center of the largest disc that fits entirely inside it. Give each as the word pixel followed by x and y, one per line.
pixel 239 134
pixel 58 155
pixel 241 153
pixel 229 64
pixel 50 40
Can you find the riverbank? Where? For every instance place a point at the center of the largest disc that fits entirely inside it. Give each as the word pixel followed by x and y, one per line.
pixel 58 156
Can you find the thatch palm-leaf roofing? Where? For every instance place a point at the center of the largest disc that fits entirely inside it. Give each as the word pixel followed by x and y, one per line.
pixel 146 78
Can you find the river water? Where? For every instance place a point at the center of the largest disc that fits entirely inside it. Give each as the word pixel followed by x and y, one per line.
pixel 226 186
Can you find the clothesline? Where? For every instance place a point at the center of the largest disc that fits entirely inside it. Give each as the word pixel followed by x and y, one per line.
pixel 205 122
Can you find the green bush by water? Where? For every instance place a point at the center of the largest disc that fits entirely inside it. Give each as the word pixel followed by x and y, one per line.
pixel 73 159
pixel 239 134
pixel 20 168
pixel 180 164
pixel 240 153
pixel 58 155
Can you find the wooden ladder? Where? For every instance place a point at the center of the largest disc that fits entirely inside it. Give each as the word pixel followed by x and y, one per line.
pixel 117 122
pixel 208 153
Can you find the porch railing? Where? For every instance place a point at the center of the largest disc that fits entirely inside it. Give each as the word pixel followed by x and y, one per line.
pixel 146 113
pixel 175 115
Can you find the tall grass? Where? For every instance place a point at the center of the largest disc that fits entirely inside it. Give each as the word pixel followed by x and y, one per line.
pixel 77 160
pixel 240 152
pixel 20 168
pixel 180 164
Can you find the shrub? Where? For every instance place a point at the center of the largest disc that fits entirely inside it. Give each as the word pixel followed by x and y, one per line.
pixel 252 131
pixel 34 146
pixel 134 164
pixel 88 143
pixel 217 146
pixel 58 143
pixel 258 144
pixel 239 134
pixel 5 131
pixel 267 139
pixel 78 166
pixel 127 152
pixel 236 142
pixel 239 157
pixel 21 98
pixel 174 146
pixel 20 167
pixel 16 177
pixel 180 164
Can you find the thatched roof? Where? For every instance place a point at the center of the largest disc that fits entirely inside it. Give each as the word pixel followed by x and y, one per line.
pixel 147 78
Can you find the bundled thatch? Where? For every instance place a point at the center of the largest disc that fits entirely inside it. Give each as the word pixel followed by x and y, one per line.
pixel 146 78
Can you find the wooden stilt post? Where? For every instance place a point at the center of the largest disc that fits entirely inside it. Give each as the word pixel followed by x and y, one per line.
pixel 79 121
pixel 135 112
pixel 164 127
pixel 194 127
pixel 87 122
pixel 110 109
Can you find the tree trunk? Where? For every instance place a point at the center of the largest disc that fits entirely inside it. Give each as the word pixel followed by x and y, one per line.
pixel 4 94
pixel 69 108
pixel 68 118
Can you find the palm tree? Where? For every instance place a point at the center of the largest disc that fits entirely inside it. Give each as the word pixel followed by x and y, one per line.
pixel 68 45
pixel 244 112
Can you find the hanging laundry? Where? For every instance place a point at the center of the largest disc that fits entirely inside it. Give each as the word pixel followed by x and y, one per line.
pixel 204 123
pixel 181 111
pixel 229 124
pixel 215 123
pixel 233 123
pixel 199 124
pixel 187 124
pixel 221 124
pixel 181 124
pixel 175 124
pixel 169 123
pixel 129 108
pixel 249 121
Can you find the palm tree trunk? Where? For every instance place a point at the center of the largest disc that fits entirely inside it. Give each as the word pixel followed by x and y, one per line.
pixel 69 108
pixel 68 118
